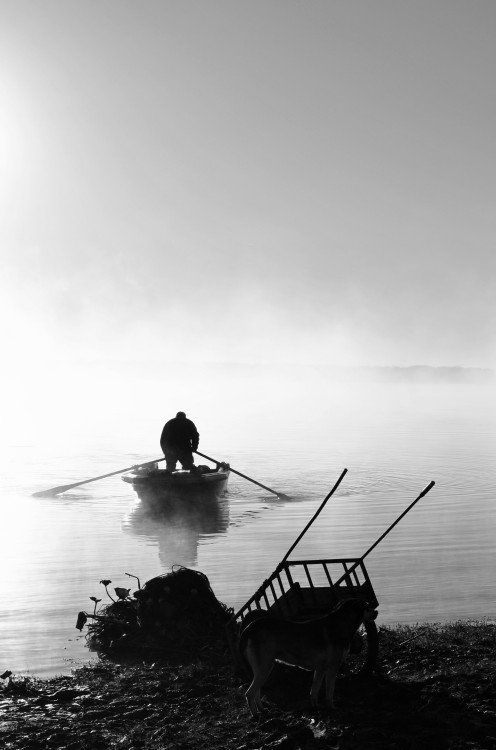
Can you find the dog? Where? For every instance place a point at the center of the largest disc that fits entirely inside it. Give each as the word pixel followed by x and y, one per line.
pixel 318 645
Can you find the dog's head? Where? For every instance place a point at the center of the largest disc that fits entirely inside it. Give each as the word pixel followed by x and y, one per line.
pixel 369 613
pixel 359 609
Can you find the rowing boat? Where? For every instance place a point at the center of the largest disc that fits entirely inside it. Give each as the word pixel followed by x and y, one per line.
pixel 200 484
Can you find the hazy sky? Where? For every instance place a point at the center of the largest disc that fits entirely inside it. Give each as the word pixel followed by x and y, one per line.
pixel 253 181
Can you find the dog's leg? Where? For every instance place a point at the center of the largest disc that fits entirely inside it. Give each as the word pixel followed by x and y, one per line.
pixel 330 677
pixel 253 694
pixel 318 677
pixel 261 667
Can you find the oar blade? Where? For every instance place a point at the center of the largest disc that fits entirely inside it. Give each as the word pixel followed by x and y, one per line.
pixel 54 490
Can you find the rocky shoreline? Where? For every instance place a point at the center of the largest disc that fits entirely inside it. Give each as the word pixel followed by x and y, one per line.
pixel 434 687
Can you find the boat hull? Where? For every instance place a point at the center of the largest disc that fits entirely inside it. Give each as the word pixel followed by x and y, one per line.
pixel 156 484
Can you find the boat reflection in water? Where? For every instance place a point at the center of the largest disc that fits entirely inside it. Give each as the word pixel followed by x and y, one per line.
pixel 178 510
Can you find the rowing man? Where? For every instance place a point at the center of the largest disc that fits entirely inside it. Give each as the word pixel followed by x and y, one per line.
pixel 178 441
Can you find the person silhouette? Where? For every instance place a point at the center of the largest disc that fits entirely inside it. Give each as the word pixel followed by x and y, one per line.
pixel 178 440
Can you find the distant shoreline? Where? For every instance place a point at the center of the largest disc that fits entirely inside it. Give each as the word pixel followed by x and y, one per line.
pixel 355 374
pixel 303 372
pixel 415 374
pixel 424 374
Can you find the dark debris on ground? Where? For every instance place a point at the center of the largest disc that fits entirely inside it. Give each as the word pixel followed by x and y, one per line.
pixel 435 687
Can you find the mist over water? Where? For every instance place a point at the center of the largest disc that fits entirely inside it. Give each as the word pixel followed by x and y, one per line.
pixel 292 429
pixel 162 199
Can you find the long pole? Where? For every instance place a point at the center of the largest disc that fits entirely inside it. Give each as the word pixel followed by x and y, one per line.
pixel 355 565
pixel 424 492
pixel 313 518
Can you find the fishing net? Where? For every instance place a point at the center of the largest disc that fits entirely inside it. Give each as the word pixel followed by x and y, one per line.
pixel 176 612
pixel 181 607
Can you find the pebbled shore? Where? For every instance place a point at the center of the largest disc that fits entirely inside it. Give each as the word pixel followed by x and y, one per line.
pixel 435 687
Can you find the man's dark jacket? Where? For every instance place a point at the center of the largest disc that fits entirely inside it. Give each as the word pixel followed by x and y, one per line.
pixel 179 433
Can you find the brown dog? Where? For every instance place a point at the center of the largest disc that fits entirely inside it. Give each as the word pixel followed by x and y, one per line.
pixel 318 645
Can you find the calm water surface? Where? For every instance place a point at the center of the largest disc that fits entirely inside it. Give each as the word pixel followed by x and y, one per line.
pixel 437 564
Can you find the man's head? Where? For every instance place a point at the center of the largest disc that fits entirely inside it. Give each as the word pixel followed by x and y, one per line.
pixel 181 415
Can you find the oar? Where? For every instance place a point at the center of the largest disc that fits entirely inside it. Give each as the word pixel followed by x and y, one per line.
pixel 279 494
pixel 65 487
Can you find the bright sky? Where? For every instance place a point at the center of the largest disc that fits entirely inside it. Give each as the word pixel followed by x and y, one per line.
pixel 257 181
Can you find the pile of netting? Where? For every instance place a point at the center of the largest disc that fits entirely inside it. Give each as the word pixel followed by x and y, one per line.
pixel 175 613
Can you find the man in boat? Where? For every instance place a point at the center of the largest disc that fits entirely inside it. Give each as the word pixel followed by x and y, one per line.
pixel 178 441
